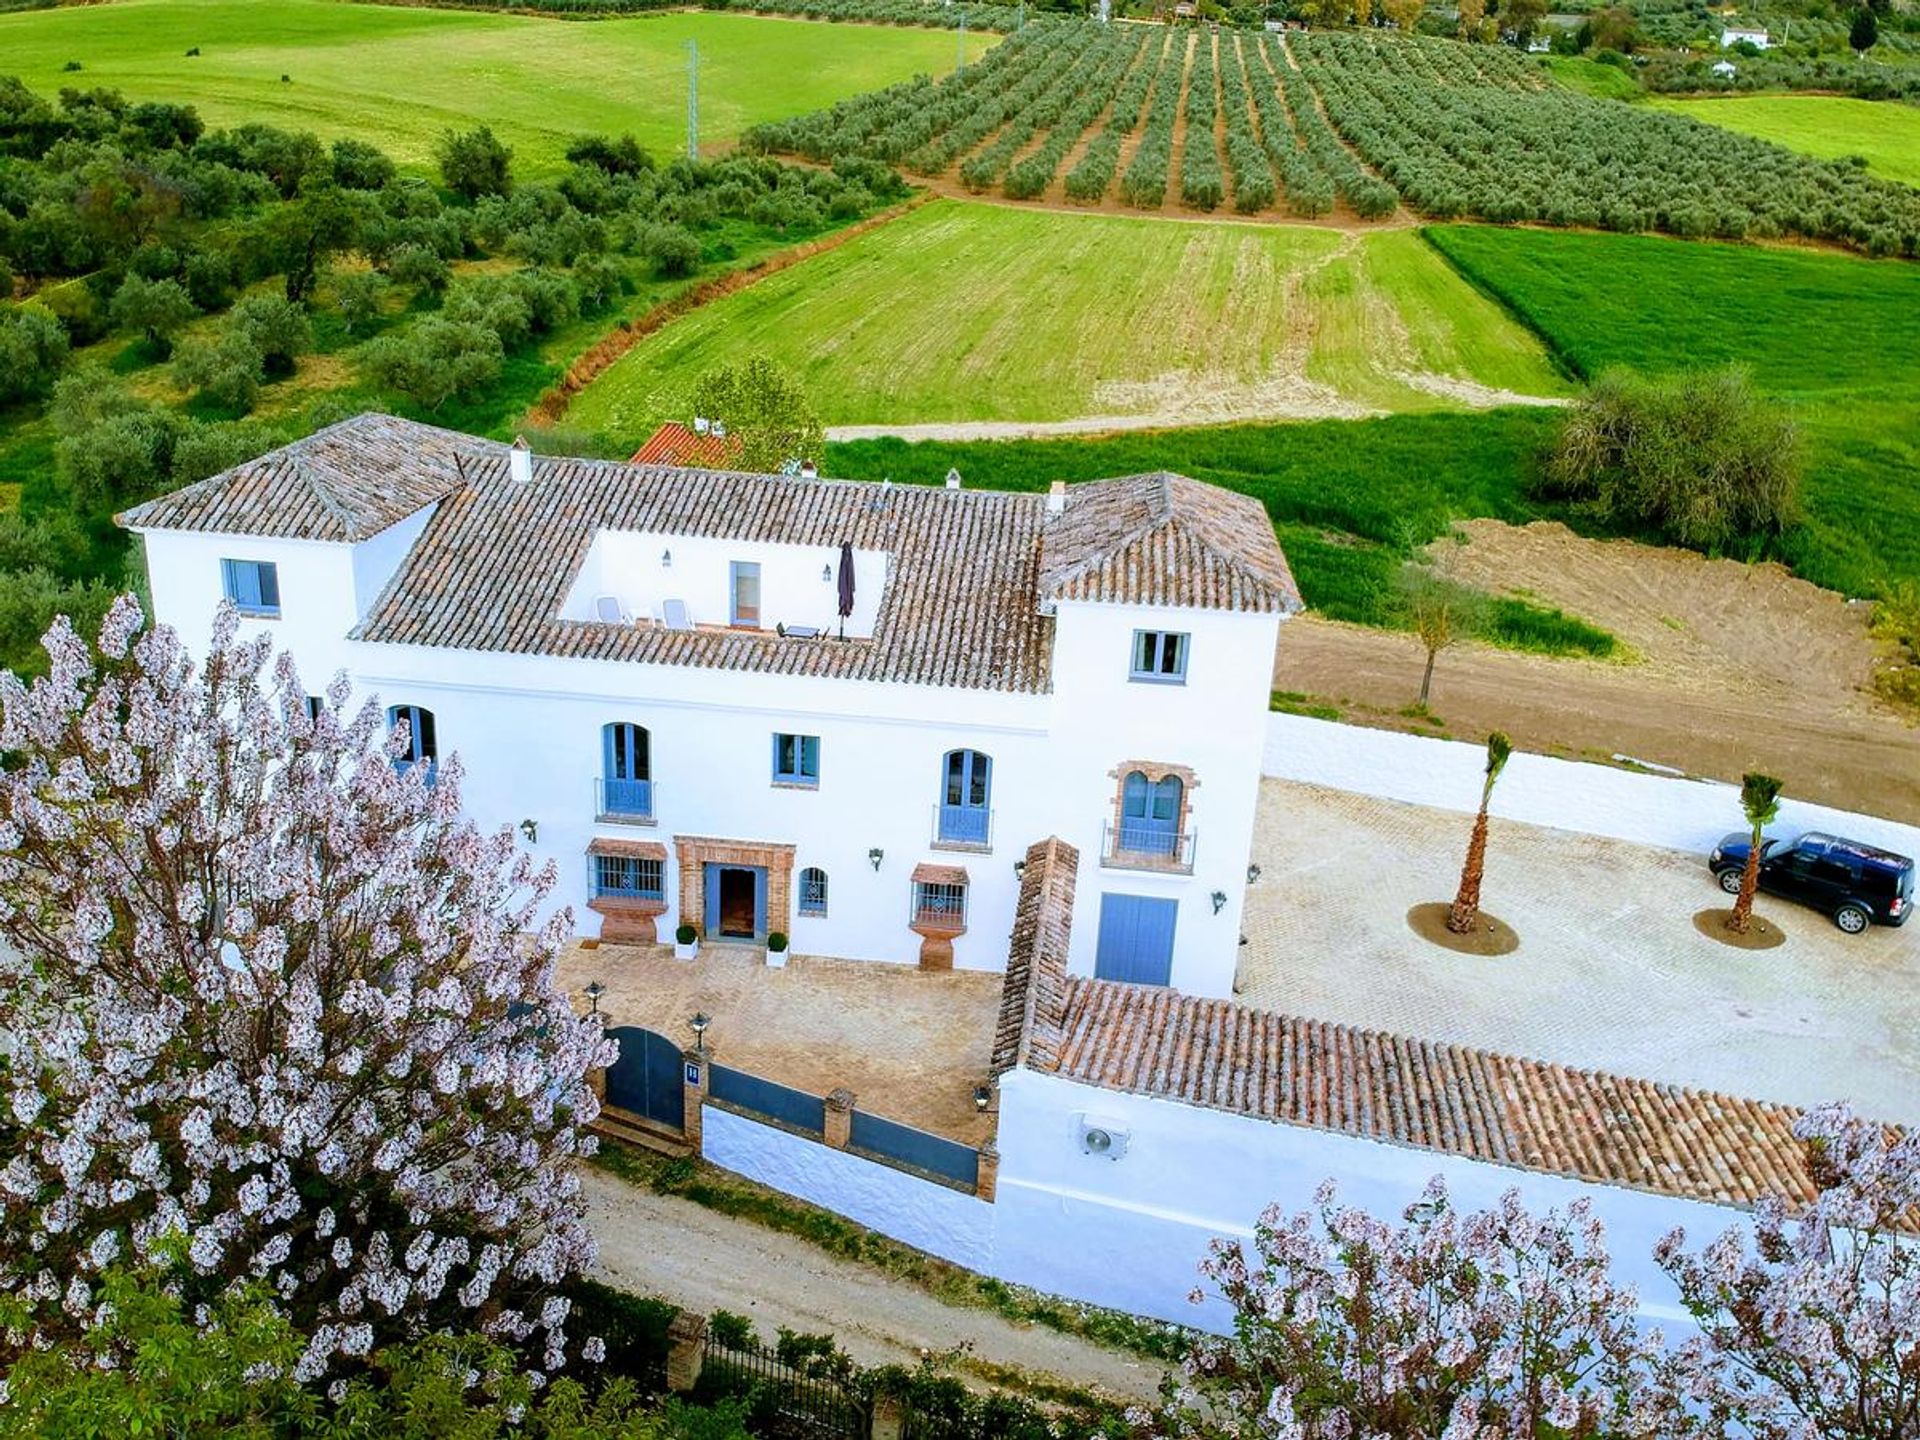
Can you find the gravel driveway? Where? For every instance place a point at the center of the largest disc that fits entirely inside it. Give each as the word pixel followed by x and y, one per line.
pixel 1610 974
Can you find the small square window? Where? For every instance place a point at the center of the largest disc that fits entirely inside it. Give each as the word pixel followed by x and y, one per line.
pixel 1159 657
pixel 253 586
pixel 796 759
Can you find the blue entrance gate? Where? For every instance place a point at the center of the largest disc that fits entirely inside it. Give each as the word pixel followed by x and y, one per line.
pixel 1136 939
pixel 645 1078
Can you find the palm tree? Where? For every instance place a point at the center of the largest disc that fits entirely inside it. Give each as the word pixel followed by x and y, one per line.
pixel 1760 798
pixel 1466 905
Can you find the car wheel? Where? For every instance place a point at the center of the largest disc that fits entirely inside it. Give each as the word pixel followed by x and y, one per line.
pixel 1852 919
pixel 1730 881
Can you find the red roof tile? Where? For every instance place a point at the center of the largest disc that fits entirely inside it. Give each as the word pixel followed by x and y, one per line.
pixel 677 444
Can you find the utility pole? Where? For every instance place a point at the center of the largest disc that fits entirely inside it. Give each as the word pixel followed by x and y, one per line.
pixel 960 61
pixel 693 100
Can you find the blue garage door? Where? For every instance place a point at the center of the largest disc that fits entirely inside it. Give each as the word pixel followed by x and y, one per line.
pixel 1136 939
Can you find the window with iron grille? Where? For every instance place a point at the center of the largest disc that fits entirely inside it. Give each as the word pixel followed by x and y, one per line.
pixel 627 877
pixel 939 904
pixel 813 891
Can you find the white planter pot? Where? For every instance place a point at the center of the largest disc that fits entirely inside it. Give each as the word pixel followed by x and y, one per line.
pixel 686 952
pixel 777 959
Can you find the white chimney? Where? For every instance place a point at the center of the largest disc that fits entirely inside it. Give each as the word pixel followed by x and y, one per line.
pixel 809 470
pixel 1057 497
pixel 953 479
pixel 700 425
pixel 520 460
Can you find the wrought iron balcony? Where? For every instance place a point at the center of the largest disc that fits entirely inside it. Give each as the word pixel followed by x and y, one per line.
pixel 1137 845
pixel 623 802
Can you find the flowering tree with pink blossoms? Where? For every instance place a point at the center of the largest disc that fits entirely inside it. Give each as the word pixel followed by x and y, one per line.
pixel 1478 1326
pixel 265 992
pixel 1810 1325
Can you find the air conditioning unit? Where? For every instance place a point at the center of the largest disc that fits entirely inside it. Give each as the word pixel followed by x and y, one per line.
pixel 1104 1139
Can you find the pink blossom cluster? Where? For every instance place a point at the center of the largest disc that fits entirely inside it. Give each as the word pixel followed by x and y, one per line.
pixel 268 992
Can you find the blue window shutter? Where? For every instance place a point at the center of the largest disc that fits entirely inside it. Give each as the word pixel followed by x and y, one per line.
pixel 1136 939
pixel 266 582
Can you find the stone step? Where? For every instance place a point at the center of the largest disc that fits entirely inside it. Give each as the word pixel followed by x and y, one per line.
pixel 627 1128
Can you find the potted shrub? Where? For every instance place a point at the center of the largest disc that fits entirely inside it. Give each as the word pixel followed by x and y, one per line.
pixel 686 943
pixel 777 949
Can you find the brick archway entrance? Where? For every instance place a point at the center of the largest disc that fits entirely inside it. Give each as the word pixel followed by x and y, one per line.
pixel 699 855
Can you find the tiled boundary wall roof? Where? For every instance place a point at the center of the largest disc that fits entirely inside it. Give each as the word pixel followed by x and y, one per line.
pixel 1583 1124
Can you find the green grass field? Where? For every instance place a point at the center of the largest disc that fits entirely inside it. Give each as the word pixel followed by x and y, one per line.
pixel 1885 132
pixel 962 311
pixel 1832 336
pixel 399 76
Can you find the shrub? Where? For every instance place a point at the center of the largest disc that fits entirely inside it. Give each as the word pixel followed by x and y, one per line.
pixel 33 347
pixel 357 297
pixel 360 166
pixel 209 278
pixel 155 308
pixel 415 264
pixel 474 164
pixel 1699 458
pixel 226 372
pixel 673 250
pixel 777 940
pixel 435 360
pixel 278 329
pixel 686 935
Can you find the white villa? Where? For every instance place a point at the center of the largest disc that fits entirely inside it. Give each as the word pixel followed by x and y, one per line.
pixel 757 704
pixel 1754 35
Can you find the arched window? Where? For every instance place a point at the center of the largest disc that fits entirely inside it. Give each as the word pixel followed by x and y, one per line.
pixel 813 891
pixel 1150 814
pixel 965 792
pixel 626 785
pixel 422 746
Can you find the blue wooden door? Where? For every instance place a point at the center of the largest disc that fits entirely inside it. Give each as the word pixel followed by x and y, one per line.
pixel 1136 939
pixel 963 800
pixel 1150 815
pixel 628 771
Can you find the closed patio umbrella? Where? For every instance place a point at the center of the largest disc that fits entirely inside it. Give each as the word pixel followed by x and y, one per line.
pixel 846 585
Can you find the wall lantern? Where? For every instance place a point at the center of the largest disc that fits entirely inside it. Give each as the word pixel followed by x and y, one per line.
pixel 826 574
pixel 876 855
pixel 701 1020
pixel 981 1097
pixel 666 559
pixel 1020 867
pixel 1219 901
pixel 594 991
pixel 1253 874
pixel 531 829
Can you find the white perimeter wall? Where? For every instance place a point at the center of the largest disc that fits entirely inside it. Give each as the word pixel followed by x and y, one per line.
pixel 943 1222
pixel 1130 1233
pixel 1678 814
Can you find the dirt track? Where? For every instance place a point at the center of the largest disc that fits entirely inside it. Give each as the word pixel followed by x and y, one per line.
pixel 1737 667
pixel 663 1245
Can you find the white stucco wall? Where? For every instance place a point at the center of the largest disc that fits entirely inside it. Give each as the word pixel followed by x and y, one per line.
pixel 931 1217
pixel 1128 1233
pixel 1677 814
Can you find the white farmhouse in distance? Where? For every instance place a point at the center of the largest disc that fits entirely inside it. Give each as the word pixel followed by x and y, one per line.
pixel 1755 35
pixel 644 667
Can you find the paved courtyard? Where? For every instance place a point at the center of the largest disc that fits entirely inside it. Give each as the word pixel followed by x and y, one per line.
pixel 1610 973
pixel 909 1044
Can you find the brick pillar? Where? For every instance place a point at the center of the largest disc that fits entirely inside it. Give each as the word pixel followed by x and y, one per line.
pixel 693 1081
pixel 686 1346
pixel 839 1119
pixel 989 1180
pixel 597 1077
pixel 889 1418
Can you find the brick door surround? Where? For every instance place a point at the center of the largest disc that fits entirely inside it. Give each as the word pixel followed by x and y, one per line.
pixel 693 853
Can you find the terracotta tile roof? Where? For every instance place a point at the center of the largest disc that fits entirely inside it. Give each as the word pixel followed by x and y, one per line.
pixel 927 874
pixel 343 483
pixel 1165 540
pixel 1034 995
pixel 677 444
pixel 965 603
pixel 632 849
pixel 1580 1123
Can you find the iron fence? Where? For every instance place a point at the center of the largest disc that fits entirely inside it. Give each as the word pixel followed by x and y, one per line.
pixel 769 1098
pixel 784 1402
pixel 623 801
pixel 934 1154
pixel 1136 845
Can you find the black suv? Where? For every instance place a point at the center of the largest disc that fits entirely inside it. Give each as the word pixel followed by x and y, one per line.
pixel 1859 885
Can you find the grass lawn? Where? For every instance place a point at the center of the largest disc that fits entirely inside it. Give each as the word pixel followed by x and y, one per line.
pixel 397 77
pixel 1590 77
pixel 1833 336
pixel 962 311
pixel 1886 132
